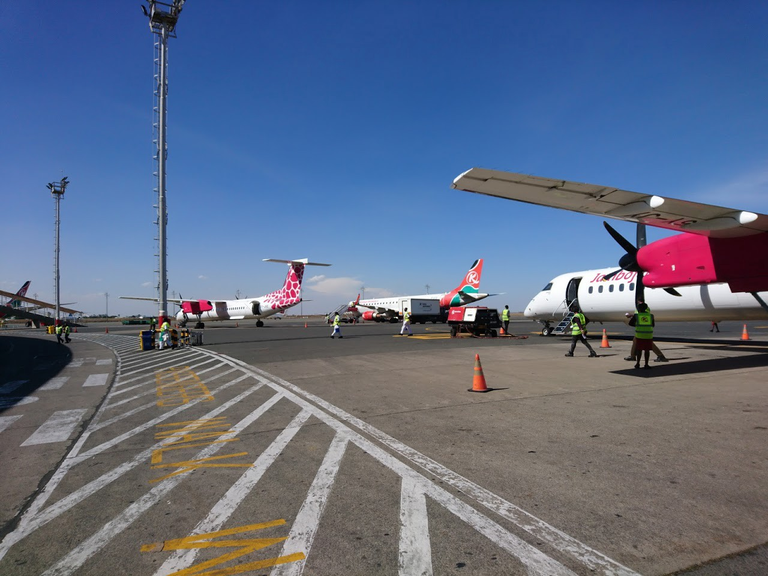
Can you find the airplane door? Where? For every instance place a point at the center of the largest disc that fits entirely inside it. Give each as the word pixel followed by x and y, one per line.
pixel 572 290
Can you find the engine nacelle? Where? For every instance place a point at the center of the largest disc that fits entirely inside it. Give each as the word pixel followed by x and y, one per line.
pixel 374 316
pixel 256 308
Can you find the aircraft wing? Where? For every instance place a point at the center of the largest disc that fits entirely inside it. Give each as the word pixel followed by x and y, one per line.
pixel 607 202
pixel 153 299
pixel 38 302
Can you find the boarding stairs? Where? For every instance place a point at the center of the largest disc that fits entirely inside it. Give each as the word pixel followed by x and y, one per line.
pixel 564 325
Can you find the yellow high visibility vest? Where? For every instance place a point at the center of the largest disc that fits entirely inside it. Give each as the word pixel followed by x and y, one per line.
pixel 644 326
pixel 575 330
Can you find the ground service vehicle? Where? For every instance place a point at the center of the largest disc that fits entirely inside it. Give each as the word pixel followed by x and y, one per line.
pixel 477 320
pixel 422 310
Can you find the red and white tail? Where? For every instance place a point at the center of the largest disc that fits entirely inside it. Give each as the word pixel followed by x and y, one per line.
pixel 21 292
pixel 469 285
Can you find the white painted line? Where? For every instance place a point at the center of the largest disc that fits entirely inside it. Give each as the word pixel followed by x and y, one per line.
pixel 57 428
pixel 96 380
pixel 75 363
pixel 86 550
pixel 415 552
pixel 105 362
pixel 6 421
pixel 54 383
pixel 11 401
pixel 33 518
pixel 9 387
pixel 308 519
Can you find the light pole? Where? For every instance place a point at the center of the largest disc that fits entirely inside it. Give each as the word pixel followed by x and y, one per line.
pixel 57 189
pixel 163 24
pixel 106 294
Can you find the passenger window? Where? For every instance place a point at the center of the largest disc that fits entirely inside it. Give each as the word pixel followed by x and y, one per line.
pixel 631 286
pixel 600 289
pixel 621 287
pixel 590 289
pixel 610 288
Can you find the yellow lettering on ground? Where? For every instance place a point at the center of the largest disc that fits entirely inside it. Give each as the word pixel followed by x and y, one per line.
pixel 242 547
pixel 179 385
pixel 189 465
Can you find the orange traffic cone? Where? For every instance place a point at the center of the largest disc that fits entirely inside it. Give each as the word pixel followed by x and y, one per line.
pixel 744 334
pixel 106 330
pixel 604 343
pixel 501 332
pixel 478 380
pixel 237 324
pixel 305 324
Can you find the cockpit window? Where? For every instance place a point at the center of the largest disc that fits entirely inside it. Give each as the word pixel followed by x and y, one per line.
pixel 547 287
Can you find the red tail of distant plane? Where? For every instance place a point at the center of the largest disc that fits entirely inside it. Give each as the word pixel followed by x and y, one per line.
pixel 468 290
pixel 21 292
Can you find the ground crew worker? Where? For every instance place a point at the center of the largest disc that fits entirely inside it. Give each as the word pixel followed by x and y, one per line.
pixel 165 334
pixel 505 319
pixel 336 326
pixel 643 321
pixel 66 331
pixel 406 323
pixel 579 332
pixel 59 330
pixel 659 354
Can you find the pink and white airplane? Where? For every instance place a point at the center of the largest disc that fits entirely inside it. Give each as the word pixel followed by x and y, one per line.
pixel 247 308
pixel 716 269
pixel 389 309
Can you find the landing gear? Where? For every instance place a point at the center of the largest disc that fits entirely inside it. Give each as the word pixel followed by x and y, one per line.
pixel 199 325
pixel 259 323
pixel 547 329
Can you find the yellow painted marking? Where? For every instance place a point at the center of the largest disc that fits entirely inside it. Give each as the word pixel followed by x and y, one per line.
pixel 243 547
pixel 179 385
pixel 189 465
pixel 157 455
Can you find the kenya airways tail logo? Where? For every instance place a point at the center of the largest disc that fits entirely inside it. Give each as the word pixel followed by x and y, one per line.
pixel 470 285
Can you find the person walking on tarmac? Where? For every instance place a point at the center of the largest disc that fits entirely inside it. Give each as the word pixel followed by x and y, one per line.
pixel 66 331
pixel 643 321
pixel 336 326
pixel 579 332
pixel 505 319
pixel 59 330
pixel 406 323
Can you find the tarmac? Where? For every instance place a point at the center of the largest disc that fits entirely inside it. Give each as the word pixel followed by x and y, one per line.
pixel 567 465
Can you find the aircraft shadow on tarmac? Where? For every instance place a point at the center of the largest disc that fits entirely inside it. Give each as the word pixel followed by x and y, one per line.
pixel 32 361
pixel 679 366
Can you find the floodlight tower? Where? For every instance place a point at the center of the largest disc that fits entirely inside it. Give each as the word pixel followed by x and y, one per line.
pixel 57 189
pixel 162 21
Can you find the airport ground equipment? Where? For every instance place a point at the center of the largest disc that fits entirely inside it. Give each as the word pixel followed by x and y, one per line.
pixel 422 310
pixel 476 320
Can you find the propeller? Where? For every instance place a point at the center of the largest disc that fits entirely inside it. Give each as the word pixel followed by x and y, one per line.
pixel 629 262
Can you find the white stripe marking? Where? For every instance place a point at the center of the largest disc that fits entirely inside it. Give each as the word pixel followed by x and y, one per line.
pixel 6 421
pixel 96 380
pixel 57 428
pixel 105 362
pixel 55 383
pixel 415 552
pixel 308 519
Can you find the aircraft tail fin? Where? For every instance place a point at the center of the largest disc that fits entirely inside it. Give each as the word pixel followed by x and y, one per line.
pixel 290 294
pixel 467 289
pixel 13 303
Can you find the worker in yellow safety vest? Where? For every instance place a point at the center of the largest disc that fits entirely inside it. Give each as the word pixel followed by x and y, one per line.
pixel 59 331
pixel 336 326
pixel 505 319
pixel 165 335
pixel 644 322
pixel 579 332
pixel 406 323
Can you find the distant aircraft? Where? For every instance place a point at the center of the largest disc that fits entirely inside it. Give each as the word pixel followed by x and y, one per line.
pixel 707 271
pixel 14 309
pixel 15 302
pixel 247 308
pixel 389 309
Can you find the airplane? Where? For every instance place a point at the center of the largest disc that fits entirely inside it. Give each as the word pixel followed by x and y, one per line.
pixel 13 307
pixel 247 308
pixel 389 309
pixel 15 302
pixel 715 269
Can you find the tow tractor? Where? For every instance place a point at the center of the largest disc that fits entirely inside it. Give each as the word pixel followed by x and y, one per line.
pixel 477 320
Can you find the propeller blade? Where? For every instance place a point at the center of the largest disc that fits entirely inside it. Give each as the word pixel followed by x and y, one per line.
pixel 612 274
pixel 623 242
pixel 641 237
pixel 672 291
pixel 640 289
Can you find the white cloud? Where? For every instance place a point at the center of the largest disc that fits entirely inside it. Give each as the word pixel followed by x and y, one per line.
pixel 342 287
pixel 201 277
pixel 147 284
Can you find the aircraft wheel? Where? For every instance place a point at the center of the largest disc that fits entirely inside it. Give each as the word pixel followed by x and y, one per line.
pixel 547 330
pixel 259 323
pixel 199 326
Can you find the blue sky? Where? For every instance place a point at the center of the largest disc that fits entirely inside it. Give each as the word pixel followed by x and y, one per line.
pixel 333 130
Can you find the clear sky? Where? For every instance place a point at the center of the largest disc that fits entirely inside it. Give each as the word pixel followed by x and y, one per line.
pixel 333 130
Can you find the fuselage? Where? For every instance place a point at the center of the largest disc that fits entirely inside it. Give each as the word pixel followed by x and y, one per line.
pixel 235 310
pixel 609 300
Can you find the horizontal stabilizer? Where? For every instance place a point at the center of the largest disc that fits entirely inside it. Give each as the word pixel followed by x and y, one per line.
pixel 304 261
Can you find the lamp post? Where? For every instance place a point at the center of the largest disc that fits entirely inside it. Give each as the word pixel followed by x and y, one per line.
pixel 57 189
